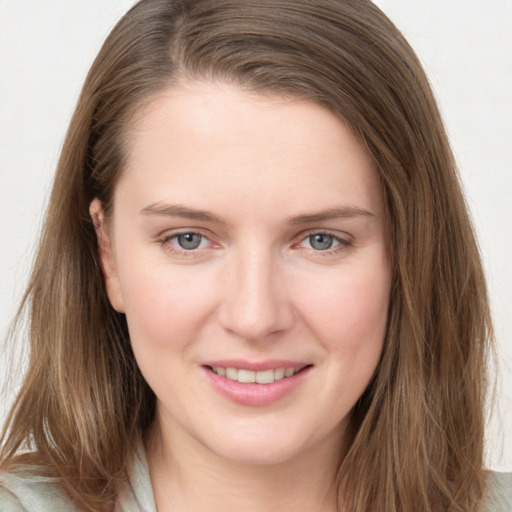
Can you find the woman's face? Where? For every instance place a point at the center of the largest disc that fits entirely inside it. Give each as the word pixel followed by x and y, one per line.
pixel 248 244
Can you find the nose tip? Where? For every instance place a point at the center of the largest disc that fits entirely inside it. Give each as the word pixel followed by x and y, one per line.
pixel 255 303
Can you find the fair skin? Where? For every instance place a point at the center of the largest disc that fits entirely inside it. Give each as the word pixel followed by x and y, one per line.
pixel 247 233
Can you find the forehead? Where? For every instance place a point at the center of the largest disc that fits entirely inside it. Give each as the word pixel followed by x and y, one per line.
pixel 214 140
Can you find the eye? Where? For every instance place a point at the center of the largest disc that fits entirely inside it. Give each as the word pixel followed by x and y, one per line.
pixel 189 241
pixel 322 241
pixel 325 243
pixel 187 244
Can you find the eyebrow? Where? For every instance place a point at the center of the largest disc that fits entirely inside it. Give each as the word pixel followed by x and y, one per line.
pixel 331 213
pixel 176 210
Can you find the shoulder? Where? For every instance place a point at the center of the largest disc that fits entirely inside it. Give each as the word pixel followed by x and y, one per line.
pixel 30 493
pixel 27 490
pixel 499 493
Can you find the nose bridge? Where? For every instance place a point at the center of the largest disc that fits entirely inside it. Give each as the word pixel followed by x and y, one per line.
pixel 255 304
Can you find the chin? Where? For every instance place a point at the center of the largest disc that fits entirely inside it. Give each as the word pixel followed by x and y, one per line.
pixel 263 445
pixel 257 454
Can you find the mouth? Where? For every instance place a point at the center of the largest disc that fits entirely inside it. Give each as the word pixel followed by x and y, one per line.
pixel 256 384
pixel 246 376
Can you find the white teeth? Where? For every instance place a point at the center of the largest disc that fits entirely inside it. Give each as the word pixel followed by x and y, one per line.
pixel 246 376
pixel 232 373
pixel 249 376
pixel 289 372
pixel 279 373
pixel 265 377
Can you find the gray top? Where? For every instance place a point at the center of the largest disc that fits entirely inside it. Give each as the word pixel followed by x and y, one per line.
pixel 40 494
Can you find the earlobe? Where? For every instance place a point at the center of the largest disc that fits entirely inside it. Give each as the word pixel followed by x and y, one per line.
pixel 106 256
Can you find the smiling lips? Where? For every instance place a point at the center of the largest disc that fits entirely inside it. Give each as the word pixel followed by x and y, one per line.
pixel 256 384
pixel 259 377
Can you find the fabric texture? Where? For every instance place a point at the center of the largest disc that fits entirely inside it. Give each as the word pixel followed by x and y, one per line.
pixel 41 494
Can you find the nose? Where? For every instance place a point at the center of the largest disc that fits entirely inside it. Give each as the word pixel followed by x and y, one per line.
pixel 255 304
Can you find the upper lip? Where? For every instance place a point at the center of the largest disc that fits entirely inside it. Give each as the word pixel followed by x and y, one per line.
pixel 256 366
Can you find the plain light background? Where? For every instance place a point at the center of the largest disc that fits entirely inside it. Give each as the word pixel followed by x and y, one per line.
pixel 47 47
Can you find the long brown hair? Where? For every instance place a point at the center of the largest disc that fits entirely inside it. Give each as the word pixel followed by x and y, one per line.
pixel 418 428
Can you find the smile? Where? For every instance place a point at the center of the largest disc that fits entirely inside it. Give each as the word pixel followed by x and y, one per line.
pixel 256 384
pixel 250 376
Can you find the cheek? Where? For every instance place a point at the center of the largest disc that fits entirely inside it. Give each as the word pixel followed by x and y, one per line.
pixel 351 326
pixel 349 312
pixel 165 311
pixel 355 305
pixel 165 306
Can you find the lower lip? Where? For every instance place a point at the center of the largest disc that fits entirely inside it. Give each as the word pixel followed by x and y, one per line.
pixel 254 394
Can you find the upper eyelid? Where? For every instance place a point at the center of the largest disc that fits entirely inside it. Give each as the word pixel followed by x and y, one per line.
pixel 335 234
pixel 170 233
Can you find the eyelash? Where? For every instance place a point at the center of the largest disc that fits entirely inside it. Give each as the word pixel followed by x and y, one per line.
pixel 166 243
pixel 343 243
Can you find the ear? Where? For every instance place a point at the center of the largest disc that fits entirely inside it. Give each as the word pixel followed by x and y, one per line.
pixel 106 255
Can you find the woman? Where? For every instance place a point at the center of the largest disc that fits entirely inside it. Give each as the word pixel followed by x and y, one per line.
pixel 257 283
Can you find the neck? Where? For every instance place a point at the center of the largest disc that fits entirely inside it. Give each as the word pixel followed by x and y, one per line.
pixel 190 478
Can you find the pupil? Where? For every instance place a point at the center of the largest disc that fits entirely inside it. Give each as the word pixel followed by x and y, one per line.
pixel 189 241
pixel 321 242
